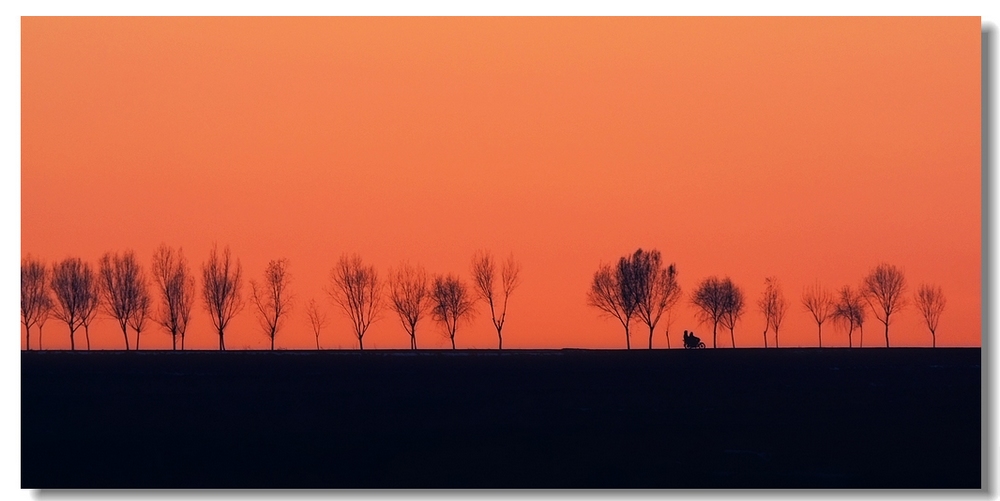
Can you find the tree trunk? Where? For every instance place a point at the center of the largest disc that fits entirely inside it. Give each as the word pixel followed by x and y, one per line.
pixel 651 337
pixel 317 341
pixel 182 342
pixel 765 338
pixel 861 342
pixel 887 332
pixel 361 342
pixel 732 336
pixel 39 337
pixel 125 334
pixel 775 337
pixel 173 340
pixel 849 341
pixel 820 334
pixel 137 340
pixel 628 341
pixel 272 342
pixel 453 340
pixel 667 332
pixel 222 344
pixel 499 340
pixel 27 334
pixel 933 340
pixel 86 332
pixel 715 328
pixel 72 344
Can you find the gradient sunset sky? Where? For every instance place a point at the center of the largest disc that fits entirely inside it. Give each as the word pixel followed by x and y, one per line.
pixel 803 148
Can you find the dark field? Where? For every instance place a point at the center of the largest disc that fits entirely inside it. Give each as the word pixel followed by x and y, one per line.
pixel 871 418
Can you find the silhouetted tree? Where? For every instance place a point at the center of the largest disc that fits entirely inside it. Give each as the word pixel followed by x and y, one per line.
pixel 883 289
pixel 930 301
pixel 712 297
pixel 410 296
pixel 119 285
pixel 848 307
pixel 819 302
pixel 483 275
pixel 272 298
pixel 91 302
pixel 44 311
pixel 451 303
pixel 656 288
pixel 143 306
pixel 317 319
pixel 34 294
pixel 734 307
pixel 357 290
pixel 176 286
pixel 222 286
pixel 71 283
pixel 613 292
pixel 772 304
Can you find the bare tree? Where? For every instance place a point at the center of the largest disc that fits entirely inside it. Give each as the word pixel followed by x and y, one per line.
pixel 143 306
pixel 712 299
pixel 222 290
pixel 45 308
pixel 483 275
pixel 176 285
pixel 734 307
pixel 883 288
pixel 357 290
pixel 655 288
pixel 34 294
pixel 119 286
pixel 451 303
pixel 411 297
pixel 613 291
pixel 930 301
pixel 272 298
pixel 71 282
pixel 91 302
pixel 770 302
pixel 317 319
pixel 847 309
pixel 819 302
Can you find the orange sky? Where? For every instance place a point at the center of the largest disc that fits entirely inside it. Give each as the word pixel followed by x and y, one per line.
pixel 806 148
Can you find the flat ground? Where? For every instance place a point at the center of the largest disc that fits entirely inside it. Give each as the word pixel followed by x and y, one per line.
pixel 871 418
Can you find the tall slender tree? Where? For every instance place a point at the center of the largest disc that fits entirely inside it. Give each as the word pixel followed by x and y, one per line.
pixel 317 319
pixel 176 286
pixel 34 294
pixel 884 289
pixel 734 308
pixel 44 312
pixel 656 288
pixel 848 306
pixel 119 277
pixel 451 303
pixel 71 283
pixel 819 302
pixel 272 298
pixel 930 302
pixel 483 278
pixel 222 290
pixel 712 300
pixel 768 304
pixel 91 302
pixel 613 292
pixel 411 297
pixel 143 306
pixel 357 290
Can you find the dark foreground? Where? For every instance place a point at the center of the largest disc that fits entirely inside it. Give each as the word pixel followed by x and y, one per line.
pixel 872 418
